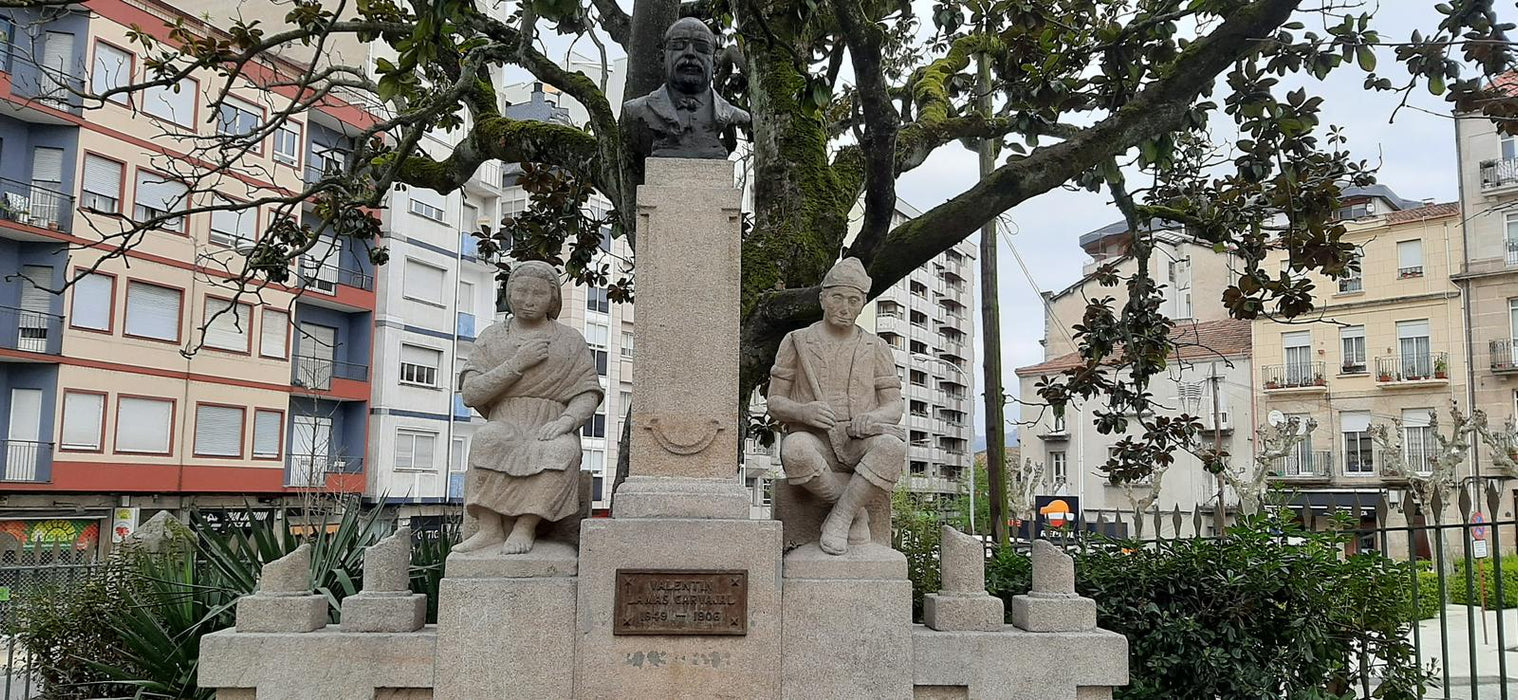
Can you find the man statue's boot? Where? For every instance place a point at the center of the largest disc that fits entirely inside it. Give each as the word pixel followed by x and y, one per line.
pixel 829 487
pixel 836 529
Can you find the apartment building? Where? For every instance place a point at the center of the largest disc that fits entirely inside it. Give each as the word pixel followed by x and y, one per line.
pixel 1488 272
pixel 1386 344
pixel 1209 375
pixel 151 383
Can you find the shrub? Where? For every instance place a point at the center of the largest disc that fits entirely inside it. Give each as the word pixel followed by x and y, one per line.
pixel 59 632
pixel 1484 580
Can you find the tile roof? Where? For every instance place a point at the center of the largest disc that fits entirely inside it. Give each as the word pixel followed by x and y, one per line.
pixel 1196 341
pixel 1427 211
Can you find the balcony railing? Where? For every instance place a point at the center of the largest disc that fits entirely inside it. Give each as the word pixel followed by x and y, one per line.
pixel 50 86
pixel 1409 272
pixel 1512 253
pixel 1294 375
pixel 1412 368
pixel 326 278
pixel 1504 355
pixel 318 372
pixel 1314 464
pixel 23 459
pixel 1351 284
pixel 1499 173
pixel 30 331
pixel 311 470
pixel 34 205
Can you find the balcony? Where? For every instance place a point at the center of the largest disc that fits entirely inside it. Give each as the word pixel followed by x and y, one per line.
pixel 464 327
pixel 1351 285
pixel 1303 465
pixel 1404 273
pixel 1511 249
pixel 1296 376
pixel 469 246
pixel 890 323
pixel 317 373
pixel 311 471
pixel 461 411
pixel 49 87
pixel 1504 355
pixel 1412 370
pixel 30 331
pixel 31 205
pixel 1499 173
pixel 326 278
pixel 24 460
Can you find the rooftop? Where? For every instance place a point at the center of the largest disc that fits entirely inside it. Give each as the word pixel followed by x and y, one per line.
pixel 1197 341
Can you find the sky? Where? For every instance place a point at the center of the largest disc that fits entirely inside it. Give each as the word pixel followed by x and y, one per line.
pixel 1416 154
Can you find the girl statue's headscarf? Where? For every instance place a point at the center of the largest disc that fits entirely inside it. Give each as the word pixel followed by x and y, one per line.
pixel 537 269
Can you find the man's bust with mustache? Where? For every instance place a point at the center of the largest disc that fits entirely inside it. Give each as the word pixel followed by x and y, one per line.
pixel 684 117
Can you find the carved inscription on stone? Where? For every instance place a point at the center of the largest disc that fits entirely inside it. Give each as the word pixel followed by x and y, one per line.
pixel 681 601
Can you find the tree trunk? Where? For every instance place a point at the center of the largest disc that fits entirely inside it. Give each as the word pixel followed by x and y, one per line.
pixel 990 309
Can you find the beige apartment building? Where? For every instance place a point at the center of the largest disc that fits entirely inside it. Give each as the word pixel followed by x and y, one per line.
pixel 1384 345
pixel 1488 272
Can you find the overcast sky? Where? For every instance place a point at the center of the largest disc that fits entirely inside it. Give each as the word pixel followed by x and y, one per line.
pixel 1416 156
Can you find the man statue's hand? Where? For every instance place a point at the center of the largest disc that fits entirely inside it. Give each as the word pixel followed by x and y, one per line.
pixel 556 427
pixel 863 426
pixel 818 414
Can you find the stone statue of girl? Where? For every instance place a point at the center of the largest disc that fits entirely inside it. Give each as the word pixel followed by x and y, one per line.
pixel 533 380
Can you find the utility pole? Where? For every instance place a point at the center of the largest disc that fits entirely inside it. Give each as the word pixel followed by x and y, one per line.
pixel 990 311
pixel 1219 515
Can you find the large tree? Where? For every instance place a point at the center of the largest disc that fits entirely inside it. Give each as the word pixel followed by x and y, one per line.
pixel 846 96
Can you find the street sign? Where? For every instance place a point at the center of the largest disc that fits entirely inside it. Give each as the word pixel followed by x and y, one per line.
pixel 1478 549
pixel 1478 529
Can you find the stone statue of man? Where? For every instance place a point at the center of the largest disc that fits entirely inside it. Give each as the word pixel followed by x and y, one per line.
pixel 685 117
pixel 533 380
pixel 834 387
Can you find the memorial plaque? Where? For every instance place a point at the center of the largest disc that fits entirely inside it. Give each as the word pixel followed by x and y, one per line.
pixel 681 601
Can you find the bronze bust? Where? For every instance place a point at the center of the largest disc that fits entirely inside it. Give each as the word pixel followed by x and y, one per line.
pixel 685 117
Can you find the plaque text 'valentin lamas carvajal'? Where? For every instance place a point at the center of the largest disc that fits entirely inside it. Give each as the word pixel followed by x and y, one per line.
pixel 676 601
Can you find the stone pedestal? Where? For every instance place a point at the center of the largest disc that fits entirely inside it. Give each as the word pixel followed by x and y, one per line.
pixel 668 666
pixel 802 514
pixel 506 625
pixel 848 631
pixel 325 665
pixel 1011 664
pixel 384 612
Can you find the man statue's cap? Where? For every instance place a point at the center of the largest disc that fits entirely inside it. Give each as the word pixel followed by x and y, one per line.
pixel 848 272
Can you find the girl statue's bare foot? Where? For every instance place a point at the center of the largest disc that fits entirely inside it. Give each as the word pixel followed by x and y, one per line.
pixel 486 536
pixel 523 534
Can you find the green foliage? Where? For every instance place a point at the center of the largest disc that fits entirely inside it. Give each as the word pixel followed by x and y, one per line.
pixel 1272 611
pixel 915 533
pixel 1429 601
pixel 1484 581
pixel 429 551
pixel 59 633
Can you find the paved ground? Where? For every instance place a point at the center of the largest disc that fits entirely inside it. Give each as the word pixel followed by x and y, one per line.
pixel 1488 657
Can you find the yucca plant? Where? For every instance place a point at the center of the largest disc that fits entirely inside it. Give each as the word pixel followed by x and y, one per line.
pixel 429 551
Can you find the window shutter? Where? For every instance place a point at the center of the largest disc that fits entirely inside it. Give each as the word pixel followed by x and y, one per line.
pixel 422 453
pixel 218 431
pixel 231 225
pixel 426 196
pixel 142 425
pixel 274 334
pixel 152 312
pixel 1410 254
pixel 36 289
pixel 227 327
pixel 1417 417
pixel 1354 421
pixel 47 165
pixel 102 176
pixel 81 421
pixel 92 302
pixel 266 430
pixel 424 282
pixel 425 357
pixel 111 70
pixel 159 193
pixel 165 102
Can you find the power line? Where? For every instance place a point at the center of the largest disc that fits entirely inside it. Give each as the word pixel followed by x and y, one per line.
pixel 1027 274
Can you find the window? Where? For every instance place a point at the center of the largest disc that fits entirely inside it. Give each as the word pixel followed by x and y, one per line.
pixel 595 299
pixel 1418 439
pixel 595 337
pixel 218 430
pixel 144 425
pixel 419 365
pixel 627 344
pixel 1509 147
pixel 1352 344
pixel 268 428
pixel 233 227
pixel 595 463
pixel 112 69
pixel 1409 259
pixel 91 305
pixel 466 297
pixel 1358 458
pixel 1298 354
pixel 596 426
pixel 1355 282
pixel 1358 210
pixel 83 421
pixel 1058 426
pixel 1511 244
pixel 624 400
pixel 176 103
pixel 414 450
pixel 327 161
pixel 157 197
pixel 1180 288
pixel 238 117
pixel 606 238
pixel 459 457
pixel 424 282
pixel 228 325
pixel 426 203
pixel 1414 358
pixel 287 144
pixel 100 189
pixel 152 311
pixel 274 336
pixel 1057 466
